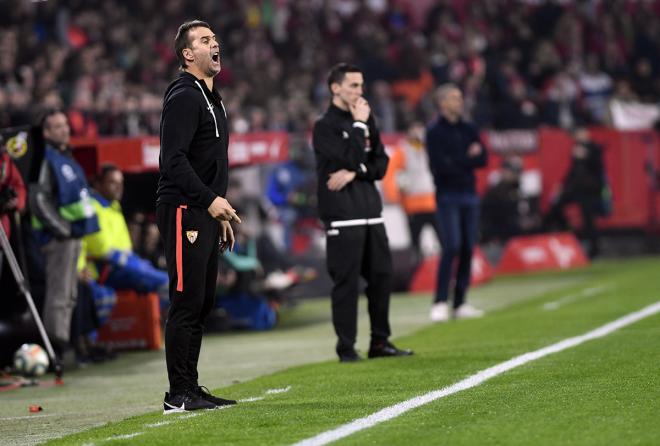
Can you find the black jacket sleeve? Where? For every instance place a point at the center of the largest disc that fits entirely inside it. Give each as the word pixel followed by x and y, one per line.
pixel 179 123
pixel 446 162
pixel 375 165
pixel 440 161
pixel 480 160
pixel 345 153
pixel 43 204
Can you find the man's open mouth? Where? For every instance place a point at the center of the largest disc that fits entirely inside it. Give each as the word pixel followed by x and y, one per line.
pixel 215 56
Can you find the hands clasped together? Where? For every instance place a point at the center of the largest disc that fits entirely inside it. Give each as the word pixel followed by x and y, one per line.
pixel 338 180
pixel 222 211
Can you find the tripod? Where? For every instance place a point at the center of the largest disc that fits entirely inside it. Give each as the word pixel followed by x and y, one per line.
pixel 22 285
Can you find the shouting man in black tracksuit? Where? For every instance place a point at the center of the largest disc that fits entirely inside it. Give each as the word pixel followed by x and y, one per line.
pixel 349 158
pixel 192 215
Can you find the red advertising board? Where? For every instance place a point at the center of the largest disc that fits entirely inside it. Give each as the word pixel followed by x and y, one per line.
pixel 134 322
pixel 547 252
pixel 425 278
pixel 632 161
pixel 141 154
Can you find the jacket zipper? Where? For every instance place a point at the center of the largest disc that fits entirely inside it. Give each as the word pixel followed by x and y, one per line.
pixel 210 108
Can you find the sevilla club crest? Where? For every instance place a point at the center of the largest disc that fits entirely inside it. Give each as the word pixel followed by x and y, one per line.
pixel 192 236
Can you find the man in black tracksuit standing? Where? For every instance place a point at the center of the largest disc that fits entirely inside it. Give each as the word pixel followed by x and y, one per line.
pixel 455 152
pixel 192 215
pixel 349 158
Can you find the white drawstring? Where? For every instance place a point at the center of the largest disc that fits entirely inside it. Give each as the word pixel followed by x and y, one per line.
pixel 217 134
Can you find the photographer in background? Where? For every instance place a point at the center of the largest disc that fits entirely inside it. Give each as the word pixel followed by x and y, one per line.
pixel 506 209
pixel 582 185
pixel 12 202
pixel 12 193
pixel 12 188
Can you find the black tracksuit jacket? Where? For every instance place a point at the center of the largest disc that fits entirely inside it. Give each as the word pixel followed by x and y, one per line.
pixel 342 143
pixel 194 137
pixel 447 144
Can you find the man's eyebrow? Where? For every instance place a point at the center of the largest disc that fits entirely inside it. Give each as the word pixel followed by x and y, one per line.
pixel 207 37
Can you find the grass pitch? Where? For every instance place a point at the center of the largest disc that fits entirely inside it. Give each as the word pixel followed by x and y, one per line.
pixel 602 392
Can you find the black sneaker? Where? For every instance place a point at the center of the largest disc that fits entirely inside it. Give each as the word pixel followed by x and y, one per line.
pixel 184 402
pixel 386 349
pixel 349 356
pixel 204 393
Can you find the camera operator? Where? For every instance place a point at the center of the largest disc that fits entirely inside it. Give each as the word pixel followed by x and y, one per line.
pixel 12 188
pixel 12 192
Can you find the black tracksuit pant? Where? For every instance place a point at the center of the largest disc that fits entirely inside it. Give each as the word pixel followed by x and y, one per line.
pixel 353 251
pixel 191 237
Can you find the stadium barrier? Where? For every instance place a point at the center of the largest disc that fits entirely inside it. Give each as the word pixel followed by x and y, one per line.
pixel 134 322
pixel 546 252
pixel 632 161
pixel 425 277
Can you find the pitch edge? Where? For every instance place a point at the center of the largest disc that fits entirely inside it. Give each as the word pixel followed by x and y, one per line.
pixel 478 378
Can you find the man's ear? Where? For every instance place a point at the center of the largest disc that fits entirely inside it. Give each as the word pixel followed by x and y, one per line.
pixel 188 54
pixel 334 88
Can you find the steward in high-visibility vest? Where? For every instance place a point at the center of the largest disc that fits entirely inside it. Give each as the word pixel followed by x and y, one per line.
pixel 72 196
pixel 408 181
pixel 113 235
pixel 111 249
pixel 62 214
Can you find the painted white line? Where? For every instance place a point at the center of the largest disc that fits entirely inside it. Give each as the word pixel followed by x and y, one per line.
pixel 267 392
pixel 189 415
pixel 394 411
pixel 251 399
pixel 160 423
pixel 124 437
pixel 274 391
pixel 588 292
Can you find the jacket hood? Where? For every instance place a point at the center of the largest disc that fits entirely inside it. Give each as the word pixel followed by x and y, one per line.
pixel 183 80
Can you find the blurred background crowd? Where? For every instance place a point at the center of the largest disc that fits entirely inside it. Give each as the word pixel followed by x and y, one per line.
pixel 521 63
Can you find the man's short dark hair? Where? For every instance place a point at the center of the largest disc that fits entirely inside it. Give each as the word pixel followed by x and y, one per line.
pixel 181 40
pixel 107 169
pixel 47 114
pixel 338 73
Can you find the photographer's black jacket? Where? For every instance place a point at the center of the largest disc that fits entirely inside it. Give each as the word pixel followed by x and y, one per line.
pixel 194 139
pixel 340 142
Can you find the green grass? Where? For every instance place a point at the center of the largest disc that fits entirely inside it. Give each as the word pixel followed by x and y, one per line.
pixel 601 392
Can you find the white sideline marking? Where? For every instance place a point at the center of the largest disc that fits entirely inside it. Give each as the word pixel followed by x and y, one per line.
pixel 160 423
pixel 588 292
pixel 394 411
pixel 273 391
pixel 194 414
pixel 124 437
pixel 251 399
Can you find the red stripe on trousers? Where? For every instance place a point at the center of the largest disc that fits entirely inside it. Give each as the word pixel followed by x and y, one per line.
pixel 179 248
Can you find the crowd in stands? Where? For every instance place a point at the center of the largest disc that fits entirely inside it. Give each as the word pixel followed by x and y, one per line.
pixel 521 63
